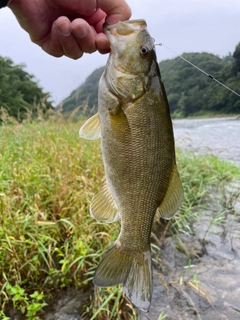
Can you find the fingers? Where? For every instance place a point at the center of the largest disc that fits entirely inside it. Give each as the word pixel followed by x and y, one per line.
pixel 69 43
pixel 71 39
pixel 51 43
pixel 102 43
pixel 83 7
pixel 116 10
pixel 61 42
pixel 88 33
pixel 97 20
pixel 84 34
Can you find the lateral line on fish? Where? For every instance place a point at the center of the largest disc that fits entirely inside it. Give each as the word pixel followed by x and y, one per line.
pixel 205 73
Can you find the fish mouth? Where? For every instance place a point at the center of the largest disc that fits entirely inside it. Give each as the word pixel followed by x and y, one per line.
pixel 124 27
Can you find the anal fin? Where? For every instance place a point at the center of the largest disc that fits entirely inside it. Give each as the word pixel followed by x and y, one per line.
pixel 173 197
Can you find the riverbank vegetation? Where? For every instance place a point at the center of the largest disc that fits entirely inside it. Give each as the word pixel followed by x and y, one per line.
pixel 48 240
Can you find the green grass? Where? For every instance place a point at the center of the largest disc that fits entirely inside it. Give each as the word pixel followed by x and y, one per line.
pixel 199 174
pixel 48 240
pixel 47 179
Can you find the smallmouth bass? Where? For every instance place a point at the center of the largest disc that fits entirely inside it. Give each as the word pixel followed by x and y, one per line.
pixel 134 124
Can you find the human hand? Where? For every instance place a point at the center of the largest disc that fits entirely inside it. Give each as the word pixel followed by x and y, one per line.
pixel 69 27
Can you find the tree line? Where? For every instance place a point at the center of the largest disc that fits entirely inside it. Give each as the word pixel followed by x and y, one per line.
pixel 189 91
pixel 20 93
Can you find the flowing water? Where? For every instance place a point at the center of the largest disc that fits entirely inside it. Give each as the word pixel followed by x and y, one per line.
pixel 218 136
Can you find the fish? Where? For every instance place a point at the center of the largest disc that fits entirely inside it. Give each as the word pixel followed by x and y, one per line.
pixel 137 142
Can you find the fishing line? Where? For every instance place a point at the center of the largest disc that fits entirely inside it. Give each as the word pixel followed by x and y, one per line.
pixel 205 73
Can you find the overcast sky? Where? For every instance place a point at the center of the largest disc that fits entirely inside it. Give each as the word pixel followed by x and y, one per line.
pixel 182 25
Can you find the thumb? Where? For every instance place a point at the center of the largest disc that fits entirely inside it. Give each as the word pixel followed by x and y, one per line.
pixel 117 10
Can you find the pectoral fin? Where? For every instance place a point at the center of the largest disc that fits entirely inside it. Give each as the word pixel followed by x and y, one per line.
pixel 91 129
pixel 173 197
pixel 103 207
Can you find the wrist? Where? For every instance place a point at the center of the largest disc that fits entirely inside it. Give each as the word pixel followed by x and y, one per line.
pixel 3 3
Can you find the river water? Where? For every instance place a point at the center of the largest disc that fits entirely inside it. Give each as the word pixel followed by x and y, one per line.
pixel 218 136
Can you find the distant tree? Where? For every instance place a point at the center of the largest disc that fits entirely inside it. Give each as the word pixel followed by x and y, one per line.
pixel 236 56
pixel 185 85
pixel 85 96
pixel 19 91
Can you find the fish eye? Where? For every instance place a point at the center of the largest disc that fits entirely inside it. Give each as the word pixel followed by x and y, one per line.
pixel 144 50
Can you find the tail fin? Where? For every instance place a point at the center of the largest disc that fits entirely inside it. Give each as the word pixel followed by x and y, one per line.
pixel 132 269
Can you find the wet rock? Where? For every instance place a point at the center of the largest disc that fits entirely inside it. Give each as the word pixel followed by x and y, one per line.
pixel 14 314
pixel 67 305
pixel 200 286
pixel 191 249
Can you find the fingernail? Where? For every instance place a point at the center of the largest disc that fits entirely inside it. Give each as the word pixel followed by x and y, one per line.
pixel 80 31
pixel 111 19
pixel 64 29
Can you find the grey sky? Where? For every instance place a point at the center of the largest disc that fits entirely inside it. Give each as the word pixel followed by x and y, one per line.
pixel 182 25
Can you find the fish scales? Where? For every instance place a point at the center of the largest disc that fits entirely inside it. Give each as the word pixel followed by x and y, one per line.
pixel 138 160
pixel 138 151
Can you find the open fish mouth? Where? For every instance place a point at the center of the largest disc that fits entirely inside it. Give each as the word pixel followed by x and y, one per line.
pixel 117 32
pixel 124 27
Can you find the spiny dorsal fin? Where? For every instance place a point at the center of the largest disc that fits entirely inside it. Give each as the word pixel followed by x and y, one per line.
pixel 103 207
pixel 173 197
pixel 91 129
